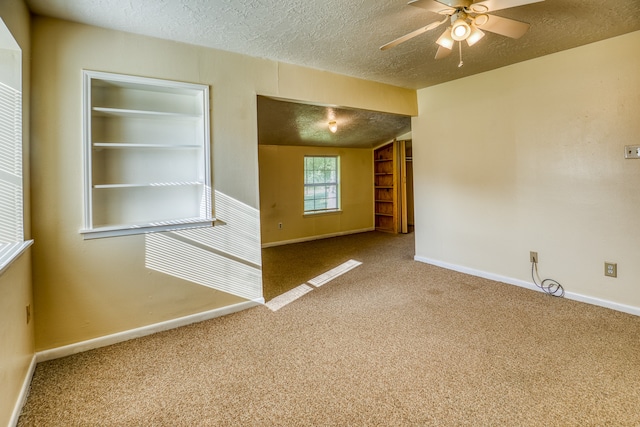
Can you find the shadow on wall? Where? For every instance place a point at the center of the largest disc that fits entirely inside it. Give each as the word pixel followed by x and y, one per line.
pixel 226 257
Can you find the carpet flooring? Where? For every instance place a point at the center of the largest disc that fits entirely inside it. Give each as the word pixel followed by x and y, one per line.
pixel 393 342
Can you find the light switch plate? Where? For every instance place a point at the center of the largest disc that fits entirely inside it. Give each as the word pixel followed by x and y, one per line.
pixel 632 151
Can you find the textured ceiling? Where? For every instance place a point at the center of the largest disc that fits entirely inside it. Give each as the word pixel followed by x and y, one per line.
pixel 290 123
pixel 344 37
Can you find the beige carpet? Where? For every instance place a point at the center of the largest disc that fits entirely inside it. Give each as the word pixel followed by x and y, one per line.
pixel 392 342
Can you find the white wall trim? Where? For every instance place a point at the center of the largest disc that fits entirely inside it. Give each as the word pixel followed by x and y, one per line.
pixel 24 393
pixel 106 340
pixel 317 237
pixel 511 281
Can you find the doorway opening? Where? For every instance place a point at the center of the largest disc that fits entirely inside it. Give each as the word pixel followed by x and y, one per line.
pixel 291 131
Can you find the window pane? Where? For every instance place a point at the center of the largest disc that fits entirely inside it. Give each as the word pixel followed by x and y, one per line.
pixel 318 163
pixel 332 203
pixel 308 193
pixel 320 192
pixel 309 205
pixel 331 163
pixel 317 177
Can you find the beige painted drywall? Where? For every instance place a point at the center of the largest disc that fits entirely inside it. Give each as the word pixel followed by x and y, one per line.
pixel 282 189
pixel 332 89
pixel 16 336
pixel 530 157
pixel 86 289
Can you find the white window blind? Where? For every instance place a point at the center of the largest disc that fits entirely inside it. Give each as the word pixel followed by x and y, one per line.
pixel 11 228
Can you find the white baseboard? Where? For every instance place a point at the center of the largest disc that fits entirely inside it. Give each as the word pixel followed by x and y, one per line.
pixel 24 393
pixel 318 237
pixel 511 281
pixel 106 340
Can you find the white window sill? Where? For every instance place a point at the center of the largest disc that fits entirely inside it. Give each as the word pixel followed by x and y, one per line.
pixel 328 212
pixel 10 252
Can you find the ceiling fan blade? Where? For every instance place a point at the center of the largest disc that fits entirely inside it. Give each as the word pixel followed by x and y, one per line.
pixel 504 26
pixel 442 52
pixel 492 5
pixel 433 6
pixel 412 34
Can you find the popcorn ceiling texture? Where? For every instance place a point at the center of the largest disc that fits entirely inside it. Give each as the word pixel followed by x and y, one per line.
pixel 290 123
pixel 344 36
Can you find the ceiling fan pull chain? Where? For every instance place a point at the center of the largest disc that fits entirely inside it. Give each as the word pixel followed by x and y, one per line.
pixel 460 50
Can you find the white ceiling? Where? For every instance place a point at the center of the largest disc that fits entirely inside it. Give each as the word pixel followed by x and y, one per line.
pixel 344 37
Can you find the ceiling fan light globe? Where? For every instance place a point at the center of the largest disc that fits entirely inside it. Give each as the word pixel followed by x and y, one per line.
pixel 445 39
pixel 460 30
pixel 475 36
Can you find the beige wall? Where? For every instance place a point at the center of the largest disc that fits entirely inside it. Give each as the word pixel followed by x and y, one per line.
pixel 16 336
pixel 282 189
pixel 530 157
pixel 86 289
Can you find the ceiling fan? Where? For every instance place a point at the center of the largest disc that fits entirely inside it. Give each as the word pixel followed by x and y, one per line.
pixel 468 20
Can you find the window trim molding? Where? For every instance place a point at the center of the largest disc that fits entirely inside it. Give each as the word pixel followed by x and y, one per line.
pixel 327 212
pixel 338 183
pixel 14 251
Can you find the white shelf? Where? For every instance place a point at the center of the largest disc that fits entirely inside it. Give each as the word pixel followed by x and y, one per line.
pixel 121 112
pixel 153 227
pixel 153 146
pixel 147 162
pixel 155 184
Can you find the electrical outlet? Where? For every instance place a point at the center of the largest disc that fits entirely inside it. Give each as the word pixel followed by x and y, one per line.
pixel 280 226
pixel 533 257
pixel 28 313
pixel 632 151
pixel 610 269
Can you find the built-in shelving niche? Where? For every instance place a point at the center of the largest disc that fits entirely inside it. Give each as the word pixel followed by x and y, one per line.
pixel 147 161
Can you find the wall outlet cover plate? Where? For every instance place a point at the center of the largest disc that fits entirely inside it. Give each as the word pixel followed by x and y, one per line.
pixel 632 151
pixel 610 269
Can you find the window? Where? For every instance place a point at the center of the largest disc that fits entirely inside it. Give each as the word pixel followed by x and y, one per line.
pixel 11 189
pixel 321 183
